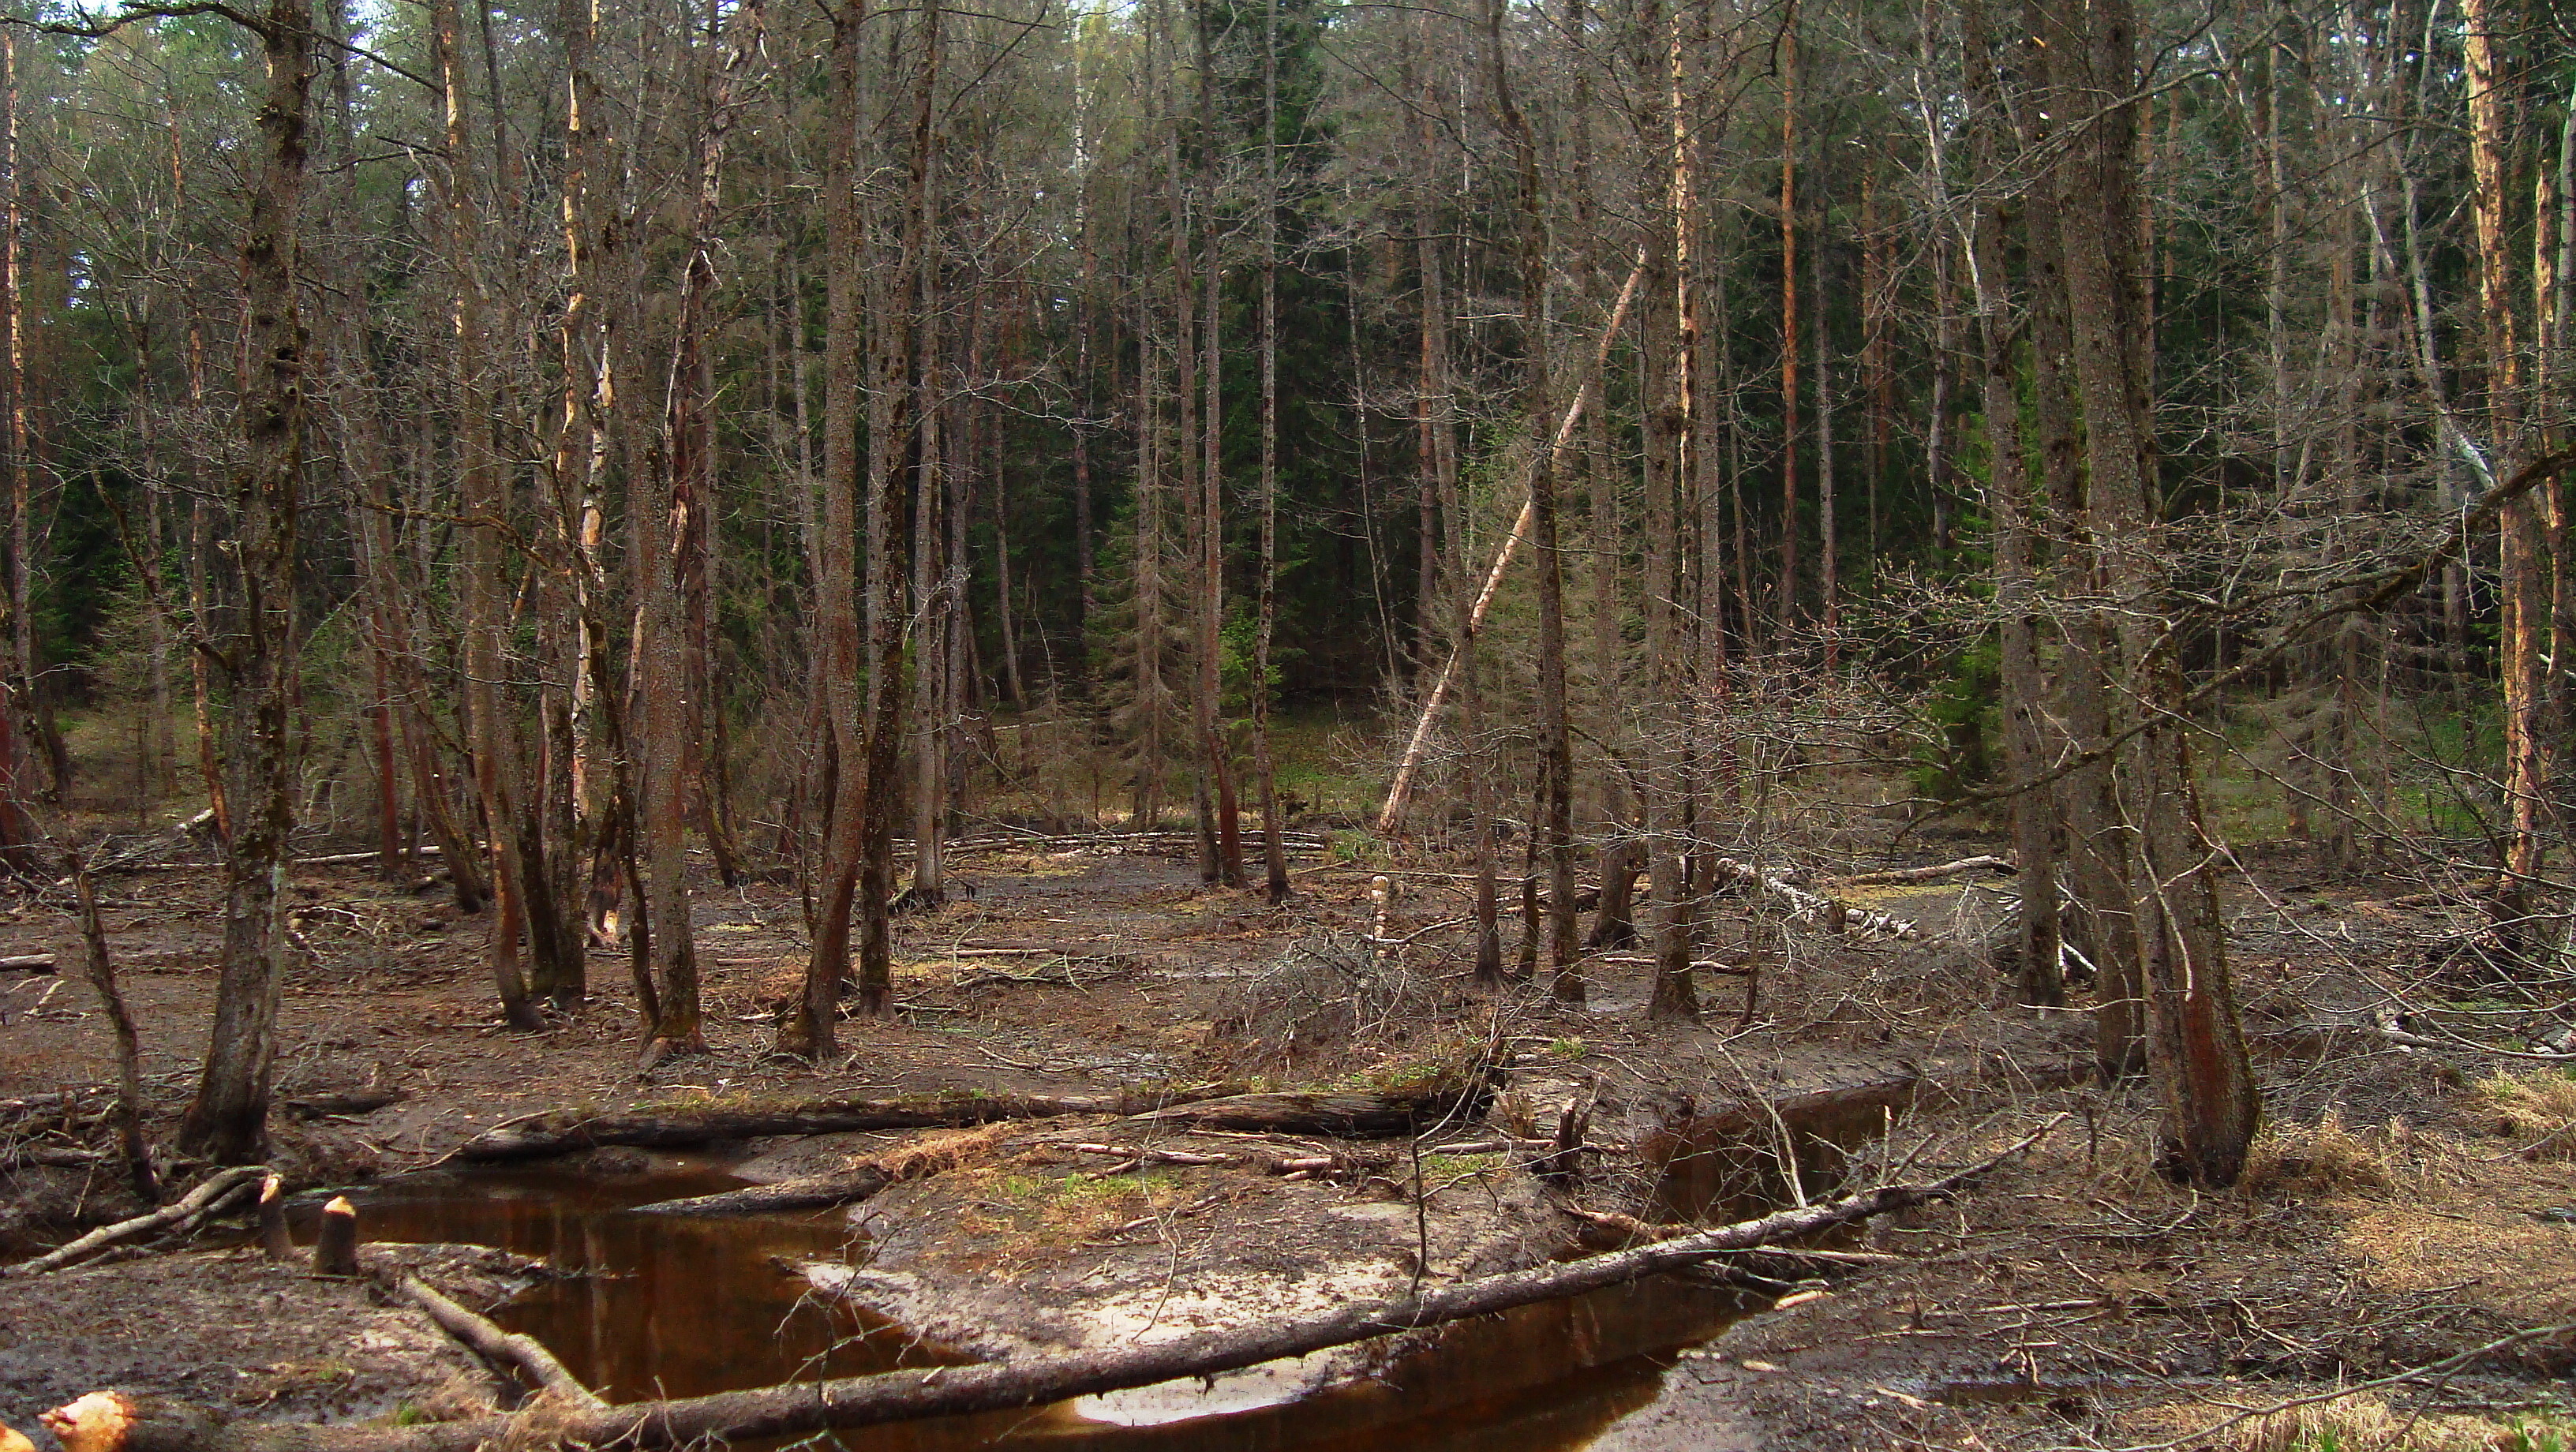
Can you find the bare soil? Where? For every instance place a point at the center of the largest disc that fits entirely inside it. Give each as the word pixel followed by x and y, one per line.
pixel 2073 1300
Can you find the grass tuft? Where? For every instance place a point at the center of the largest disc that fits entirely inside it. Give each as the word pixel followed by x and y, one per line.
pixel 2536 1108
pixel 2322 1158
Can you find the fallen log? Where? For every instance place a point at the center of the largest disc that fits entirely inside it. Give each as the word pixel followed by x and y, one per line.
pixel 1816 908
pixel 806 1192
pixel 672 1126
pixel 484 1339
pixel 179 1214
pixel 352 859
pixel 353 1103
pixel 1339 1115
pixel 27 963
pixel 114 1421
pixel 1987 863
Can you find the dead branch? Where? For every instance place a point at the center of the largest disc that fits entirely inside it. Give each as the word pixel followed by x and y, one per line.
pixel 180 1214
pixel 1963 866
pixel 489 1341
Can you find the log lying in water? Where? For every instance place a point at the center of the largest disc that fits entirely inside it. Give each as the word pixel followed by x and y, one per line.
pixel 806 1192
pixel 674 1126
pixel 126 1422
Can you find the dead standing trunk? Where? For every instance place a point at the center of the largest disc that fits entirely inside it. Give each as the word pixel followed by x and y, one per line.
pixel 1274 853
pixel 2526 566
pixel 255 648
pixel 18 831
pixel 892 433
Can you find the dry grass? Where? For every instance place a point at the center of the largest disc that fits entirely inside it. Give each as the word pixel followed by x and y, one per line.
pixel 2321 1159
pixel 944 1150
pixel 2362 1422
pixel 2536 1109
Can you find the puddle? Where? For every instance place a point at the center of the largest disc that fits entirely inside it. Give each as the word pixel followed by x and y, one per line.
pixel 675 1306
pixel 664 1305
pixel 1728 1166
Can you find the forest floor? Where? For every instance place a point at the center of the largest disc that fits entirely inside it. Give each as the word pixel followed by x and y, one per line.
pixel 2407 1207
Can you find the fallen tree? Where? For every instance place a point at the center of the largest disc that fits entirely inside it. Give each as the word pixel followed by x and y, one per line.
pixel 1338 1115
pixel 523 1353
pixel 1207 1106
pixel 113 1421
pixel 1996 865
pixel 805 1192
pixel 678 1126
pixel 1809 907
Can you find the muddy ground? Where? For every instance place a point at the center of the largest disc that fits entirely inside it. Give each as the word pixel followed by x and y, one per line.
pixel 2404 1213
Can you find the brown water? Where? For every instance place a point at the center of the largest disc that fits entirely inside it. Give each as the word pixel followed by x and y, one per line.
pixel 656 1305
pixel 676 1306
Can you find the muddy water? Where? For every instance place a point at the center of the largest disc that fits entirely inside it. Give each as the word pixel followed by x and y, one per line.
pixel 657 1306
pixel 676 1306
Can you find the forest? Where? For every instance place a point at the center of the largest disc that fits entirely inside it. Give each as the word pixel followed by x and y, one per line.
pixel 1626 723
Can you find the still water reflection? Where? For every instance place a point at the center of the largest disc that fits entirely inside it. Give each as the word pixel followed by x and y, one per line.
pixel 657 1305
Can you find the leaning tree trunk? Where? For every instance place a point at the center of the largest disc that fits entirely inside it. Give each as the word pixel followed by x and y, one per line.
pixel 255 651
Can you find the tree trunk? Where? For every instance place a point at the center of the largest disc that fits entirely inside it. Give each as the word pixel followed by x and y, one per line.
pixel 1789 544
pixel 2015 546
pixel 2196 1046
pixel 2097 850
pixel 1274 853
pixel 808 1029
pixel 491 726
pixel 19 834
pixel 1554 837
pixel 228 1120
pixel 2524 588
